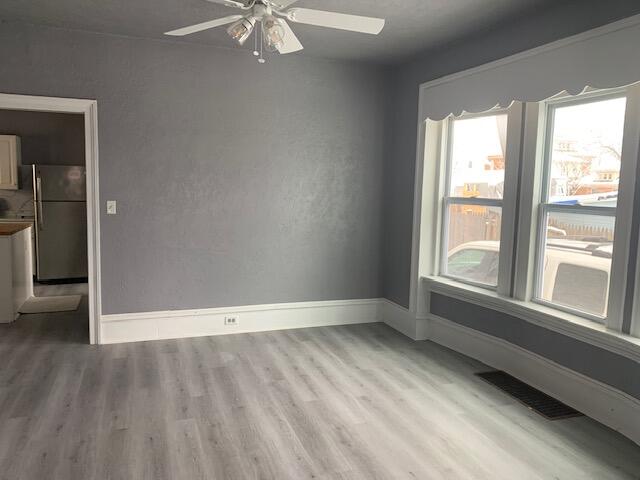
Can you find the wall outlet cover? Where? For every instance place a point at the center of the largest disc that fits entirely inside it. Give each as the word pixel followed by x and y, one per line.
pixel 231 321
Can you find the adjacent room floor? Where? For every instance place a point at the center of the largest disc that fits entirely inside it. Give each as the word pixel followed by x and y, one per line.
pixel 356 402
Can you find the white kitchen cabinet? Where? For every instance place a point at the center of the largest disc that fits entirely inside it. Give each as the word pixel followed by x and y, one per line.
pixel 9 161
pixel 16 272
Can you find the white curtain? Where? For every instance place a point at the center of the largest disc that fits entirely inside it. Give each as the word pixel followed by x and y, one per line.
pixel 501 121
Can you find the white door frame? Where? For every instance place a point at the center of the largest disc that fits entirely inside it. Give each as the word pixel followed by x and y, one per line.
pixel 88 108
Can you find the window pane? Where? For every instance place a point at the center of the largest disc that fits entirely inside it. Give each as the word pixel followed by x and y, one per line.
pixel 478 157
pixel 586 150
pixel 577 261
pixel 473 243
pixel 582 288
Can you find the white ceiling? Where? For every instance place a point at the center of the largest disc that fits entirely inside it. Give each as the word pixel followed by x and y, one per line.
pixel 412 25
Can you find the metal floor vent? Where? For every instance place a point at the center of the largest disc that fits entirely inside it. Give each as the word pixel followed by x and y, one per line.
pixel 535 400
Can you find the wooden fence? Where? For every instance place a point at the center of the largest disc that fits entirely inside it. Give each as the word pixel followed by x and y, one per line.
pixel 580 232
pixel 470 223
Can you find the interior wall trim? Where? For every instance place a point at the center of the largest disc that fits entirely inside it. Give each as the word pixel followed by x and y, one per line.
pixel 572 60
pixel 162 325
pixel 599 401
pixel 563 42
pixel 401 319
pixel 89 109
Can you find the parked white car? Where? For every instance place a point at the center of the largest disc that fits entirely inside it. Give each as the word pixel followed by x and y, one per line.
pixel 576 272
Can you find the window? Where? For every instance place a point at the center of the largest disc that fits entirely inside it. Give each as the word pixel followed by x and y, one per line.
pixel 539 202
pixel 475 180
pixel 582 163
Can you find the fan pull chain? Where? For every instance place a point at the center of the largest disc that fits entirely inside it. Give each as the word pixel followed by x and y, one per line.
pixel 255 45
pixel 261 59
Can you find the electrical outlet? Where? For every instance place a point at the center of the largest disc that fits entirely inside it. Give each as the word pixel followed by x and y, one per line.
pixel 231 321
pixel 111 207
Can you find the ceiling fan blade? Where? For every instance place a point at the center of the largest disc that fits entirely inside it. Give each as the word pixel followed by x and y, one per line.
pixel 203 26
pixel 341 21
pixel 282 4
pixel 233 3
pixel 291 43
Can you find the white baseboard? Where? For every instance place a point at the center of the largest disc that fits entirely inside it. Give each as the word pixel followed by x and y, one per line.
pixel 137 327
pixel 402 320
pixel 602 402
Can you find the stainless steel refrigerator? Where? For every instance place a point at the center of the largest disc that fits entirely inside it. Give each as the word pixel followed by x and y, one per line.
pixel 59 194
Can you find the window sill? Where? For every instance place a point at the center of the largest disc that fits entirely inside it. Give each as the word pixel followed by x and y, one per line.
pixel 564 323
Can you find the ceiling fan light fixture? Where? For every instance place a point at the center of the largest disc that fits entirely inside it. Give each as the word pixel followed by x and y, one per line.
pixel 273 32
pixel 242 29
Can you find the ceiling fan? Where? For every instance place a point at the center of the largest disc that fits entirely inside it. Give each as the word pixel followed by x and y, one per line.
pixel 275 31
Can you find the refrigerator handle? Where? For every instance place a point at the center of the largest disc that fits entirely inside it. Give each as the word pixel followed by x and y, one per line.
pixel 39 200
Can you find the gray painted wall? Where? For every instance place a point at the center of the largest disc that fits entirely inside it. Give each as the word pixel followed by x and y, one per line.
pixel 555 22
pixel 237 183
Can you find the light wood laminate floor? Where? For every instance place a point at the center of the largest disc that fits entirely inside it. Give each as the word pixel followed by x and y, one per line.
pixel 356 402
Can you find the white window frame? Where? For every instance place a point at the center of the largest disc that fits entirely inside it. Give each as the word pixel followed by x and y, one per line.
pixel 623 301
pixel 532 216
pixel 507 204
pixel 522 212
pixel 544 207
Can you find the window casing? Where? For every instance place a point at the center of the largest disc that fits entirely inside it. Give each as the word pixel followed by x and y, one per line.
pixel 577 210
pixel 479 169
pixel 606 253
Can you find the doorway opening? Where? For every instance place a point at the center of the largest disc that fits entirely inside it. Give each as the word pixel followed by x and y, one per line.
pixel 54 191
